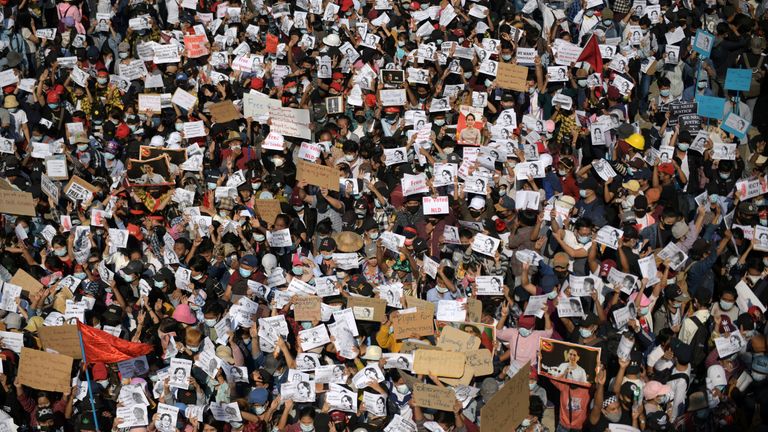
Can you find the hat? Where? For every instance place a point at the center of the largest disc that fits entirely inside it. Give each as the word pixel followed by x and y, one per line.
pixel 134 267
pixel 657 421
pixel 233 136
pixel 184 314
pixel 632 185
pixel 606 267
pixel 477 203
pixel 700 247
pixel 44 414
pixel 258 396
pixel 636 140
pixel 697 400
pixel 34 324
pixel 653 195
pixel 683 352
pixel 99 370
pixel 561 259
pixel 644 301
pixel 747 208
pixel 526 321
pixel 760 364
pixel 488 388
pixel 332 40
pixel 124 47
pixel 716 376
pixel 113 315
pixel 10 102
pixel 589 183
pixel 679 230
pixel 589 320
pixel 250 260
pixel 12 321
pixel 674 292
pixel 643 174
pixel 373 353
pixel 655 388
pixel 338 416
pixel 624 131
pixel 13 59
pixel 225 353
pixel 613 93
pixel 348 241
pixel 327 245
pixel 667 168
pixel 630 390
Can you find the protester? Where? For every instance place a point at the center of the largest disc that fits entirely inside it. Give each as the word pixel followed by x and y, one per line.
pixel 292 216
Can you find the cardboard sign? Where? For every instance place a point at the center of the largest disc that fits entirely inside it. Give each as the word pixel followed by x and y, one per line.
pixel 63 339
pixel 29 285
pixel 268 209
pixel 474 310
pixel 410 325
pixel 45 371
pixel 367 308
pixel 306 308
pixel 223 112
pixel 415 302
pixel 439 363
pixel 509 406
pixel 16 203
pixel 480 362
pixel 432 396
pixel 290 122
pixel 408 347
pixel 76 187
pixel 453 339
pixel 512 77
pixel 318 175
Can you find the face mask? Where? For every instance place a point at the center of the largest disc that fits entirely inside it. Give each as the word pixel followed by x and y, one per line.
pixel 401 43
pixel 179 127
pixel 701 85
pixel 488 83
pixel 613 417
pixel 210 322
pixel 259 410
pixel 298 208
pixel 123 55
pixel 194 349
pixel 467 75
pixel 60 252
pixel 439 122
pixel 683 146
pixel 532 90
pixel 373 236
pixel 79 275
pixel 103 383
pixel 297 270
pixel 278 162
pixel 350 157
pixel 726 305
pixel 502 192
pixel 211 186
pixel 82 147
pixel 245 273
pixel 255 186
pixel 724 176
pixel 584 239
pixel 552 294
pixel 402 389
pixel 102 81
pixel 441 290
pixel 341 275
pixel 159 284
pixel 585 333
pixel 506 57
pixel 524 332
pixel 259 237
pixel 583 193
pixel 53 106
pixel 128 278
pixel 198 277
pixel 665 93
pixel 754 279
pixel 644 311
pixel 589 13
pixel 109 156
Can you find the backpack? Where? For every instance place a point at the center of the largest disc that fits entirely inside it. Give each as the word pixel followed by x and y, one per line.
pixel 700 341
pixel 757 76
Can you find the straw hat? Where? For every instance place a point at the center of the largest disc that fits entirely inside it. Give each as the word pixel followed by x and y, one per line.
pixel 348 241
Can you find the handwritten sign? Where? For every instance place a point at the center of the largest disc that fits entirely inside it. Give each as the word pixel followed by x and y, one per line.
pixel 512 77
pixel 290 122
pixel 480 362
pixel 453 339
pixel 29 285
pixel 509 406
pixel 306 308
pixel 268 209
pixel 440 363
pixel 436 205
pixel 45 371
pixel 414 324
pixel 710 106
pixel 63 339
pixel 432 396
pixel 318 175
pixel 738 79
pixel 367 308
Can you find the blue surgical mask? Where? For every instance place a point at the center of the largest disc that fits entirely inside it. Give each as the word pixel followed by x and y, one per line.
pixel 584 239
pixel 80 275
pixel 524 332
pixel 589 13
pixel 109 156
pixel 665 93
pixel 210 322
pixel 245 273
pixel 297 270
pixel 506 57
pixel 53 106
pixel 585 333
pixel 583 193
pixel 683 146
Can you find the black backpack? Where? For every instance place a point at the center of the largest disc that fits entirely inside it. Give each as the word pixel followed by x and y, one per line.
pixel 700 341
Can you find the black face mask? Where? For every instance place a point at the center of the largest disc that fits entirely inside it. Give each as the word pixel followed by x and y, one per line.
pixel 340 426
pixel 412 209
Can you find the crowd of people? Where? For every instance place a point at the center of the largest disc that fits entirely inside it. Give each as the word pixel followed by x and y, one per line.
pixel 277 216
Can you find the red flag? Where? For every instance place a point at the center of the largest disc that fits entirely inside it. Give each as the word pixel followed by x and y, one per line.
pixel 591 54
pixel 102 347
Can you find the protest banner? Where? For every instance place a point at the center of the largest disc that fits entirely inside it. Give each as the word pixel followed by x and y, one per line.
pixel 432 396
pixel 512 77
pixel 306 308
pixel 45 371
pixel 439 363
pixel 63 339
pixel 268 209
pixel 319 175
pixel 413 324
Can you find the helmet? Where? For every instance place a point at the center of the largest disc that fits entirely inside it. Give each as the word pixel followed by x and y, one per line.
pixel 112 147
pixel 636 140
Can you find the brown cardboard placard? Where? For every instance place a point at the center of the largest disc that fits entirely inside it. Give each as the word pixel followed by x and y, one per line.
pixel 79 185
pixel 17 203
pixel 432 396
pixel 453 339
pixel 509 406
pixel 367 308
pixel 415 324
pixel 28 284
pixel 64 339
pixel 306 308
pixel 439 363
pixel 480 361
pixel 408 347
pixel 512 77
pixel 474 310
pixel 268 209
pixel 224 111
pixel 45 371
pixel 463 380
pixel 411 302
pixel 318 175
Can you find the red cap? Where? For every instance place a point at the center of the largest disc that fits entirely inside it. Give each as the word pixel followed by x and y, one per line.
pixel 338 416
pixel 135 231
pixel 391 110
pixel 99 371
pixel 9 89
pixel 500 225
pixel 337 75
pixel 606 267
pixel 257 83
pixel 52 97
pixel 526 321
pixel 346 4
pixel 667 168
pixel 122 131
pixel 58 88
pixel 289 84
pixel 336 86
pixel 102 73
pixel 370 100
pixel 613 93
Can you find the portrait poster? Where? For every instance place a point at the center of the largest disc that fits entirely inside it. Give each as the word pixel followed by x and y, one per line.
pixel 568 362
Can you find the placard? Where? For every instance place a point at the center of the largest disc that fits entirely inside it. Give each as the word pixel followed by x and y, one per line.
pixel 432 396
pixel 16 203
pixel 435 206
pixel 64 339
pixel 290 122
pixel 568 362
pixel 710 106
pixel 453 339
pixel 29 285
pixel 45 371
pixel 318 175
pixel 480 362
pixel 413 324
pixel 223 112
pixel 268 209
pixel 512 77
pixel 509 406
pixel 738 79
pixel 439 363
pixel 367 308
pixel 306 308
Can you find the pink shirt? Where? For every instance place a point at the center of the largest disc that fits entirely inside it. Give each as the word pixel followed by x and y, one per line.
pixel 523 349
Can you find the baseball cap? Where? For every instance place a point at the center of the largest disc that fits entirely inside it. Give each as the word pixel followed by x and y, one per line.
pixel 657 421
pixel 606 267
pixel 257 396
pixel 561 259
pixel 373 353
pixel 250 260
pixel 327 245
pixel 674 292
pixel 632 185
pixel 667 168
pixel 679 229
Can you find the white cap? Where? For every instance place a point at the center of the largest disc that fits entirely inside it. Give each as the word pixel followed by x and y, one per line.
pixel 174 139
pixel 157 141
pixel 332 40
pixel 477 203
pixel 373 353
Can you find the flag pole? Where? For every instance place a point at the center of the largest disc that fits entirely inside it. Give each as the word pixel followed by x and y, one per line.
pixel 88 378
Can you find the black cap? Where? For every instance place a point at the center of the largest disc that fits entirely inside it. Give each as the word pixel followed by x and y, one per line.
pixel 683 352
pixel 657 421
pixel 327 245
